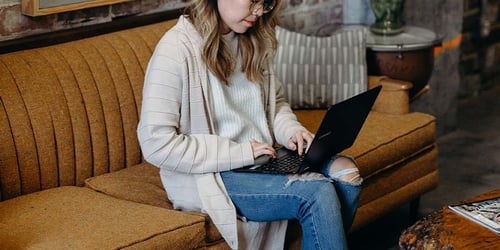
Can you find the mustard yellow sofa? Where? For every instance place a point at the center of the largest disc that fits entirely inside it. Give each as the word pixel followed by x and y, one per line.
pixel 71 171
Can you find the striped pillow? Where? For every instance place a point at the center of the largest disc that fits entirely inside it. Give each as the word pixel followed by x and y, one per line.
pixel 317 72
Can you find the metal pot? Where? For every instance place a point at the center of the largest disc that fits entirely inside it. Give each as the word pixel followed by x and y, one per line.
pixel 408 56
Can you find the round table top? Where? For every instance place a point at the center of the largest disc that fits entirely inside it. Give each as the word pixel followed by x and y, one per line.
pixel 412 38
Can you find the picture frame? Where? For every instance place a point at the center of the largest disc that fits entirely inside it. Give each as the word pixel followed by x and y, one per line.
pixel 46 7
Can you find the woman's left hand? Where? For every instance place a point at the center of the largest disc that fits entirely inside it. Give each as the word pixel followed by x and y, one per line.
pixel 301 139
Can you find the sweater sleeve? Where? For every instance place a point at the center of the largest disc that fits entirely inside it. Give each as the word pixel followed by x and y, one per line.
pixel 173 102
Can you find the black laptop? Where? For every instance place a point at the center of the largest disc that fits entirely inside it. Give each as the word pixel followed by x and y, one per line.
pixel 338 131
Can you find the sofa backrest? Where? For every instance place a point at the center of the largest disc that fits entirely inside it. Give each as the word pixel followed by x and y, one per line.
pixel 70 111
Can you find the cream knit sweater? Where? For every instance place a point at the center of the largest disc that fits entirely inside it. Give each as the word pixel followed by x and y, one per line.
pixel 237 108
pixel 176 134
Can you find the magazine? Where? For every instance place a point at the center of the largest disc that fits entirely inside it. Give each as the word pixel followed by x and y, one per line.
pixel 485 212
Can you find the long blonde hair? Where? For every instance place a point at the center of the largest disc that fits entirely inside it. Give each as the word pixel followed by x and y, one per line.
pixel 255 46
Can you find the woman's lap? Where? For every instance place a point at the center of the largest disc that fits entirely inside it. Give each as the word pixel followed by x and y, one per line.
pixel 270 197
pixel 312 198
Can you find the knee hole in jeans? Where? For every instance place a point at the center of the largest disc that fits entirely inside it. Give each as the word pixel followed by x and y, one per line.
pixel 345 169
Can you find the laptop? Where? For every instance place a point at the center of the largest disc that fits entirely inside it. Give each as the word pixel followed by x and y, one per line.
pixel 338 131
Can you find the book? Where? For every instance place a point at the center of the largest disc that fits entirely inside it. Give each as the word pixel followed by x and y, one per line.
pixel 485 212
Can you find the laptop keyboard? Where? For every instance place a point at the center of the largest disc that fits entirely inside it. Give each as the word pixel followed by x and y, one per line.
pixel 288 163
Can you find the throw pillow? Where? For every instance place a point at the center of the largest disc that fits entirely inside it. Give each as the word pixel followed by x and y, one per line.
pixel 317 72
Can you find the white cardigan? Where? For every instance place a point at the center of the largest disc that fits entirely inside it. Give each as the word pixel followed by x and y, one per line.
pixel 176 134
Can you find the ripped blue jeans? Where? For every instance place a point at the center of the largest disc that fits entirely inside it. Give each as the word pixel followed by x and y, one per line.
pixel 325 207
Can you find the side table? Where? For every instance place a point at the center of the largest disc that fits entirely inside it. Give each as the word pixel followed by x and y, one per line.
pixel 445 229
pixel 407 56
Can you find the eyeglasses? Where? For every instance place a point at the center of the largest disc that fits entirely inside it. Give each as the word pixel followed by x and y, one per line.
pixel 266 5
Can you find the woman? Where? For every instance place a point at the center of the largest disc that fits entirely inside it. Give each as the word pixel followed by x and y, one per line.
pixel 212 104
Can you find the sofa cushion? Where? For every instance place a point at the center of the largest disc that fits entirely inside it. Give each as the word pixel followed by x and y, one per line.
pixel 80 218
pixel 141 183
pixel 397 155
pixel 385 139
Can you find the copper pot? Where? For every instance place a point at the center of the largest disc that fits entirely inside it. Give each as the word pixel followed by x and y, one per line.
pixel 408 56
pixel 414 66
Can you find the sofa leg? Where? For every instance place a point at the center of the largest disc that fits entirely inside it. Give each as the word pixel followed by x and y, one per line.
pixel 414 206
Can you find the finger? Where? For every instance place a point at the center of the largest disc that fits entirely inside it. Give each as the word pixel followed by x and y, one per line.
pixel 263 148
pixel 256 148
pixel 300 143
pixel 291 145
pixel 265 152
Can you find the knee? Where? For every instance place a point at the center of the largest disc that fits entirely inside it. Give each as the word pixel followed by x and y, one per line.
pixel 345 169
pixel 343 163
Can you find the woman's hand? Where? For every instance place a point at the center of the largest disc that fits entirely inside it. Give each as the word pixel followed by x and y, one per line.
pixel 301 139
pixel 260 148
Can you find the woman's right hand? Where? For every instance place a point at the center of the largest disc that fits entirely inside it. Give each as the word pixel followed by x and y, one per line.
pixel 260 148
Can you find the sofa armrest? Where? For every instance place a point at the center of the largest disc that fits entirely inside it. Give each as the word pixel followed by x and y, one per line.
pixel 394 97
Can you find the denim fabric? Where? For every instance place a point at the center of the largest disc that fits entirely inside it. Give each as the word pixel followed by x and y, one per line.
pixel 325 207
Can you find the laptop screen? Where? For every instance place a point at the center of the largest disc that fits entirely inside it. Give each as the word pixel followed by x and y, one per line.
pixel 340 126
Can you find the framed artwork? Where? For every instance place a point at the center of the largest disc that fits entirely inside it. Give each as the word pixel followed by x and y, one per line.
pixel 45 7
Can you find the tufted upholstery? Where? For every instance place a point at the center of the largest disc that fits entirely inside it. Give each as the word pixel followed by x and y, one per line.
pixel 70 111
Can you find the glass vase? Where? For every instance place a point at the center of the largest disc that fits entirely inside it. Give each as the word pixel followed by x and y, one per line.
pixel 387 16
